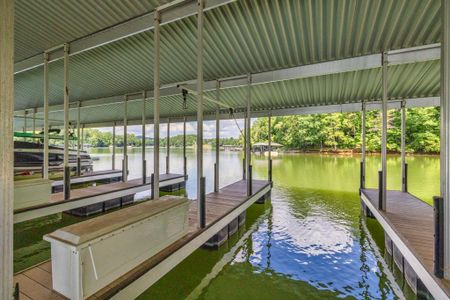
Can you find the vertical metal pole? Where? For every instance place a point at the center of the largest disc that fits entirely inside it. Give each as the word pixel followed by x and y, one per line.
pixel 34 120
pixel 82 137
pixel 144 161
pixel 6 147
pixel 184 149
pixel 248 134
pixel 78 139
pixel 244 161
pixel 403 146
pixel 168 147
pixel 46 123
pixel 269 137
pixel 216 170
pixel 114 147
pixel 125 142
pixel 156 109
pixel 445 128
pixel 25 117
pixel 200 83
pixel 66 123
pixel 363 146
pixel 384 130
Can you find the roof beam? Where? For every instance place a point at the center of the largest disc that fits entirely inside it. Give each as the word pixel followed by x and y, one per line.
pixel 403 56
pixel 169 13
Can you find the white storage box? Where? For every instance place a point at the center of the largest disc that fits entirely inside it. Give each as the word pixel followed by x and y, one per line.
pixel 90 255
pixel 28 193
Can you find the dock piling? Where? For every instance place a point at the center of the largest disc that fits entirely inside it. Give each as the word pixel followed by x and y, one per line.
pixel 202 199
pixel 438 212
pixel 380 190
pixel 250 181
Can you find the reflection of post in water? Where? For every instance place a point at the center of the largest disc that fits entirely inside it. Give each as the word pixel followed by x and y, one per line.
pixel 365 268
pixel 269 236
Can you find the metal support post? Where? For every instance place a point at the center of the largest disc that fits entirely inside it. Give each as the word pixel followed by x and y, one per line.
pixel 156 103
pixel 6 147
pixel 363 147
pixel 384 130
pixel 216 165
pixel 66 124
pixel 445 128
pixel 403 146
pixel 200 84
pixel 168 147
pixel 125 141
pixel 113 158
pixel 144 162
pixel 46 123
pixel 248 136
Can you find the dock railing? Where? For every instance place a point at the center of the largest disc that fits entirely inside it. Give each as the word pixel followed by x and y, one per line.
pixel 438 209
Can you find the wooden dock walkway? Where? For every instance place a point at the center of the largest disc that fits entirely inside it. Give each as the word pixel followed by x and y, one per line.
pixel 91 195
pixel 221 208
pixel 409 223
pixel 89 178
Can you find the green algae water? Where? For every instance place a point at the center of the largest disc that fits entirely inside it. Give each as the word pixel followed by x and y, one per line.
pixel 309 242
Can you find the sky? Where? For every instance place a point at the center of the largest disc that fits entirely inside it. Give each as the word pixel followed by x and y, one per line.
pixel 228 128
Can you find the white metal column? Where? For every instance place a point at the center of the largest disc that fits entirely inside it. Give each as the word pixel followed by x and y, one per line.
pixel 269 138
pixel 156 108
pixel 144 162
pixel 363 145
pixel 184 149
pixel 216 169
pixel 200 84
pixel 125 142
pixel 114 147
pixel 445 128
pixel 168 147
pixel 82 137
pixel 6 147
pixel 248 160
pixel 34 120
pixel 78 138
pixel 384 130
pixel 403 145
pixel 66 123
pixel 46 123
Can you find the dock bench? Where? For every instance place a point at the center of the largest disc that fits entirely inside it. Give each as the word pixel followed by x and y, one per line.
pixel 90 255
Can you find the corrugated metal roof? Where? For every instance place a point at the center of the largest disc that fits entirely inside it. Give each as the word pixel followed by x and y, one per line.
pixel 248 37
pixel 407 81
pixel 43 24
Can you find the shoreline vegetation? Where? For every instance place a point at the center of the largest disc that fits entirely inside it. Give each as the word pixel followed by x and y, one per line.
pixel 334 133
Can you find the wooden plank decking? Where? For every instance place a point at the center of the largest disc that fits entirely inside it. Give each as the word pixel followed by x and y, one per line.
pixel 36 283
pixel 411 220
pixel 90 177
pixel 90 195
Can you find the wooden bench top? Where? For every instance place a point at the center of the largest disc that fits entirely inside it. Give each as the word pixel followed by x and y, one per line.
pixel 91 229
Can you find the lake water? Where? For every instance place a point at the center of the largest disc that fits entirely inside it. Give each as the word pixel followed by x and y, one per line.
pixel 309 242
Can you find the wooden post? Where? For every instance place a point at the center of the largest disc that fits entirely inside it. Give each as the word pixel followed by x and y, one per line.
pixel 156 103
pixel 445 128
pixel 384 131
pixel 200 83
pixel 66 124
pixel 6 147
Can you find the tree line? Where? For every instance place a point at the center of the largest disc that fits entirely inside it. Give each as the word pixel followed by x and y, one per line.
pixel 342 131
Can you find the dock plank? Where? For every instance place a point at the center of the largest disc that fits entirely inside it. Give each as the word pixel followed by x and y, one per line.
pixel 412 220
pixel 218 205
